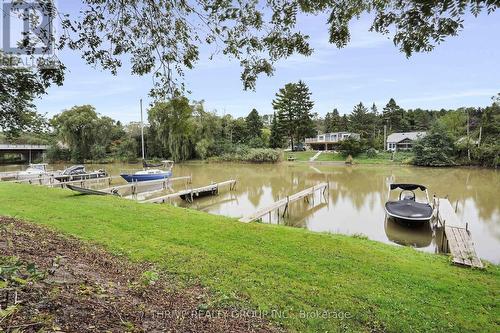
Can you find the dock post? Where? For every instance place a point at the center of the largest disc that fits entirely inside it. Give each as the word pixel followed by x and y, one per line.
pixel 442 236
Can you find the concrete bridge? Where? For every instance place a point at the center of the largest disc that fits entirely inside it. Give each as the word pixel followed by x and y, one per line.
pixel 27 152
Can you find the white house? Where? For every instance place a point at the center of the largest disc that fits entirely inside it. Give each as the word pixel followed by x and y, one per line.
pixel 328 141
pixel 402 141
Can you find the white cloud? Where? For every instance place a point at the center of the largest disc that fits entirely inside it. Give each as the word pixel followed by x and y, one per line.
pixel 451 96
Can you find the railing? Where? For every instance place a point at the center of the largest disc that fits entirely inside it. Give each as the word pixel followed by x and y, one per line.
pixel 316 140
pixel 22 147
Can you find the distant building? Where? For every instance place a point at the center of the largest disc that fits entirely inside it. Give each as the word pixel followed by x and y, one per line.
pixel 403 141
pixel 328 141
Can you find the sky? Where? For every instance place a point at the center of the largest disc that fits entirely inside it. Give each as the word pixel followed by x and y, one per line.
pixel 463 71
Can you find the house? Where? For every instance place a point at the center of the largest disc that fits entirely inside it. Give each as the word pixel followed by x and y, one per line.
pixel 328 141
pixel 402 141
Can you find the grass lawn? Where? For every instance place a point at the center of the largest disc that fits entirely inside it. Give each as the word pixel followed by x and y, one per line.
pixel 380 158
pixel 380 288
pixel 300 155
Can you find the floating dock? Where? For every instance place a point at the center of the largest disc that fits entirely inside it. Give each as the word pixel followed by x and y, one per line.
pixel 458 240
pixel 190 194
pixel 284 203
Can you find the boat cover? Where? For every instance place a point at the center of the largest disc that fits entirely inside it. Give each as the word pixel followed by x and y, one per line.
pixel 409 209
pixel 409 187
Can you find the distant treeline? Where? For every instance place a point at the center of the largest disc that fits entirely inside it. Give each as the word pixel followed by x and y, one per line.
pixel 181 130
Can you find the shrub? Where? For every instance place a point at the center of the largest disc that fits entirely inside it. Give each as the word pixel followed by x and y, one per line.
pixel 435 149
pixel 350 146
pixel 371 153
pixel 487 155
pixel 253 155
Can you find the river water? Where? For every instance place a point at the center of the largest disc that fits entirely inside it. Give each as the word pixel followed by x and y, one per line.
pixel 354 202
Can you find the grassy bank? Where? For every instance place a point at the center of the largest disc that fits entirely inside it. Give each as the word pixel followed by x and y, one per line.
pixel 363 158
pixel 312 278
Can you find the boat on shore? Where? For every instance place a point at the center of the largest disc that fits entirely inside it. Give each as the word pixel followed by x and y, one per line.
pixel 150 174
pixel 33 171
pixel 78 172
pixel 407 210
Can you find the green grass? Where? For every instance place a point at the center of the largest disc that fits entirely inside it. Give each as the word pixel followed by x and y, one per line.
pixel 381 158
pixel 382 287
pixel 300 155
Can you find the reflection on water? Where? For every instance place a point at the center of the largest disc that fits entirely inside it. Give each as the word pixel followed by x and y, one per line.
pixel 415 236
pixel 355 202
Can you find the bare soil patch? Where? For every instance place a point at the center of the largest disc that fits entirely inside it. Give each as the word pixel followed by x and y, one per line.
pixel 50 282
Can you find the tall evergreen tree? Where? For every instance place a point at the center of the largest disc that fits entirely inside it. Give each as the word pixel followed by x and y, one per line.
pixel 276 138
pixel 293 106
pixel 285 111
pixel 332 121
pixel 393 116
pixel 254 124
pixel 359 120
pixel 303 105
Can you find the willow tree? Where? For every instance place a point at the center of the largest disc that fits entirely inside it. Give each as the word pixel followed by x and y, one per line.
pixel 174 126
pixel 76 128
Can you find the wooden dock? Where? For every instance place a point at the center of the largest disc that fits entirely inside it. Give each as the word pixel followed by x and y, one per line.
pixel 284 203
pixel 458 240
pixel 81 182
pixel 136 186
pixel 191 194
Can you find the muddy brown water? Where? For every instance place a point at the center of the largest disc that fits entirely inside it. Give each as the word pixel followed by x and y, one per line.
pixel 355 200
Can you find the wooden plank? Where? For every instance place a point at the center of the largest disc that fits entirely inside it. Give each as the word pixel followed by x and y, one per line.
pixel 447 213
pixel 194 191
pixel 460 244
pixel 82 182
pixel 282 203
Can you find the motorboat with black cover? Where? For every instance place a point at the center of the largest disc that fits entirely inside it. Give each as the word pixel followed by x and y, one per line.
pixel 406 209
pixel 78 172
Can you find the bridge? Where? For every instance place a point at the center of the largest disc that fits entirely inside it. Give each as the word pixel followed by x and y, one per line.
pixel 28 152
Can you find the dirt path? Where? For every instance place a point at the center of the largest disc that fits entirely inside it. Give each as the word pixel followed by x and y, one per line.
pixel 75 287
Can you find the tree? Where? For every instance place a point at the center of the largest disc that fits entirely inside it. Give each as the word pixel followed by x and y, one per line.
pixel 174 126
pixel 76 128
pixel 276 138
pixel 359 120
pixel 454 123
pixel 437 148
pixel 303 106
pixel 393 116
pixel 286 112
pixel 332 121
pixel 293 111
pixel 254 124
pixel 163 38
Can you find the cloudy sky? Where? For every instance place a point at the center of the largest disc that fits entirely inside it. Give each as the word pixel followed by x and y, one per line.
pixel 464 71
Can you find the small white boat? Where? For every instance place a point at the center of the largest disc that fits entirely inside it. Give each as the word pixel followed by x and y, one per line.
pixel 406 209
pixel 33 171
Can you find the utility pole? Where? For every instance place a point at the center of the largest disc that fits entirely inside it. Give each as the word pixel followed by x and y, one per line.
pixel 468 137
pixel 385 136
pixel 142 133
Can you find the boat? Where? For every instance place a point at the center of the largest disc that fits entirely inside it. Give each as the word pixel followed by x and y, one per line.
pixel 33 171
pixel 84 190
pixel 406 209
pixel 150 174
pixel 78 172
